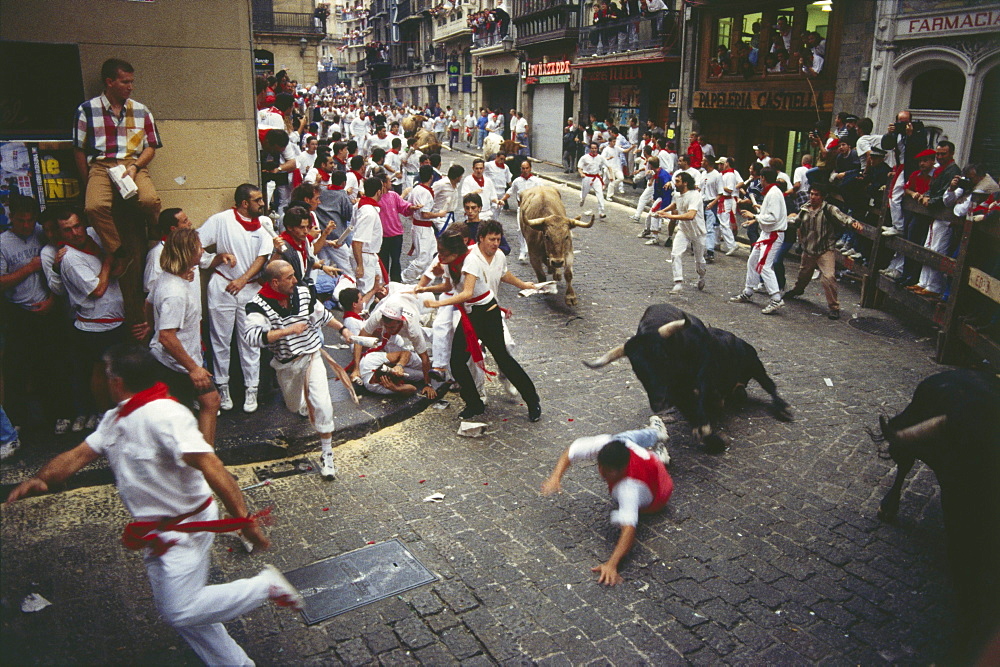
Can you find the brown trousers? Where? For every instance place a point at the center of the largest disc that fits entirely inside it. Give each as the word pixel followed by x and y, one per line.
pixel 827 264
pixel 124 227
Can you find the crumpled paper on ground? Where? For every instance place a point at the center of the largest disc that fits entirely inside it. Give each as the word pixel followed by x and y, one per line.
pixel 548 287
pixel 34 602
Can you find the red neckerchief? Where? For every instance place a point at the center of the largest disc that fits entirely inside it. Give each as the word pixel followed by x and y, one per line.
pixel 84 249
pixel 343 162
pixel 277 111
pixel 335 187
pixel 367 201
pixel 456 273
pixel 351 315
pixel 427 187
pixel 154 393
pixel 251 225
pixel 357 175
pixel 163 239
pixel 301 248
pixel 937 172
pixel 728 170
pixel 324 175
pixel 394 151
pixel 480 181
pixel 269 292
pixel 772 185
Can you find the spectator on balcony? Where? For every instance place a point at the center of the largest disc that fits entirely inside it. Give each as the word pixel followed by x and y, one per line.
pixel 603 35
pixel 816 43
pixel 654 10
pixel 932 280
pixel 631 9
pixel 781 39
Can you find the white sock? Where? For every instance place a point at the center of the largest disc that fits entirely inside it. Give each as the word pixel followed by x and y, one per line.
pixel 326 444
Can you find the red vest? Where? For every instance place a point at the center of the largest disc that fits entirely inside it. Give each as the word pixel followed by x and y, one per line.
pixel 653 474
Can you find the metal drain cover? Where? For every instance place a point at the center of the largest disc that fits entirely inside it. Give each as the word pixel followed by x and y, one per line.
pixel 357 578
pixel 880 327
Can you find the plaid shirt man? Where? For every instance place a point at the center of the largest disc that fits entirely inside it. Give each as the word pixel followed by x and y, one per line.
pixel 101 135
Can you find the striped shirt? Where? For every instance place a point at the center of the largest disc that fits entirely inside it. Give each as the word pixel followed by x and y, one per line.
pixel 265 315
pixel 101 135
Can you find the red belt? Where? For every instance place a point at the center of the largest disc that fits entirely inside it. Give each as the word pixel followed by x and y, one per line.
pixel 422 223
pixel 766 243
pixel 101 320
pixel 139 534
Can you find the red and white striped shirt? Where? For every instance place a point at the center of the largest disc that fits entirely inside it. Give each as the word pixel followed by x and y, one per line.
pixel 100 134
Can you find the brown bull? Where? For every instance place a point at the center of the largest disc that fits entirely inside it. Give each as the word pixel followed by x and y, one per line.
pixel 412 123
pixel 549 235
pixel 427 142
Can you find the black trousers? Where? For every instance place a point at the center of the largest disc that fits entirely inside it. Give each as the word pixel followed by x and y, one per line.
pixel 392 248
pixel 489 327
pixel 36 364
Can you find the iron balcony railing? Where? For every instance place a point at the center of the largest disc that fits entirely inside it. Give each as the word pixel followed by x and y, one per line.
pixel 287 23
pixel 660 30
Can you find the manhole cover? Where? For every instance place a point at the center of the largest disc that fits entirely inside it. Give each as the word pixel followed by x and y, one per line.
pixel 357 578
pixel 879 327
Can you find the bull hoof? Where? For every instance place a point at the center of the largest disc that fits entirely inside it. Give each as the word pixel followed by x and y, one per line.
pixel 570 300
pixel 886 515
pixel 715 443
pixel 739 396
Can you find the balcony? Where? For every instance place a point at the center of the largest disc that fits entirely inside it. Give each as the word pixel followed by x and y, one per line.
pixel 547 24
pixel 286 23
pixel 451 25
pixel 616 38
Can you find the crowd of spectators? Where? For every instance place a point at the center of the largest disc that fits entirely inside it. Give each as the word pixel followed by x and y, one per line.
pixel 489 26
pixel 618 27
pixel 790 52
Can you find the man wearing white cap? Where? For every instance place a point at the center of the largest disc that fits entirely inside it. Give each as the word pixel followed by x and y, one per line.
pixel 402 353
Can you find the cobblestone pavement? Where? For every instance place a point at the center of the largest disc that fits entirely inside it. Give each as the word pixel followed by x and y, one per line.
pixel 770 553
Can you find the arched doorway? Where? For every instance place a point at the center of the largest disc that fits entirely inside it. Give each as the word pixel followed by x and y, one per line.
pixel 986 137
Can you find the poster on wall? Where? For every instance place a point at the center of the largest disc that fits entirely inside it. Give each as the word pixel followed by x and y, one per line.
pixel 45 171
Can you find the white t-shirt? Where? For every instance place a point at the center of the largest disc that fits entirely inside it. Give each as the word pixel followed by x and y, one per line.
pixel 80 272
pixel 593 165
pixel 177 305
pixel 16 252
pixel 487 192
pixel 228 236
pixel 630 493
pixel 412 333
pixel 422 200
pixel 711 185
pixel 691 201
pixel 521 185
pixel 145 450
pixel 800 178
pixel 522 126
pixel 368 229
pixel 500 176
pixel 487 273
pixel 153 271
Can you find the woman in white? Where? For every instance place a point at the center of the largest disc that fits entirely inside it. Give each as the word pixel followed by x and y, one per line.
pixel 176 301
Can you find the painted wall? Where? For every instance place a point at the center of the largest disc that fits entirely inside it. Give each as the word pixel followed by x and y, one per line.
pixel 197 82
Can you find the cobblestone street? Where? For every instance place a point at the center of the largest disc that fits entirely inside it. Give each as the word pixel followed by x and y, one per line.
pixel 770 553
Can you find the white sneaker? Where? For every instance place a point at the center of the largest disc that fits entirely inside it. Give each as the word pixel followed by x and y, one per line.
pixel 891 231
pixel 523 258
pixel 62 426
pixel 772 307
pixel 250 404
pixel 78 424
pixel 326 466
pixel 661 451
pixel 280 590
pixel 225 400
pixel 661 428
pixel 511 389
pixel 634 217
pixel 304 409
pixel 652 241
pixel 8 449
pixel 678 288
pixel 732 251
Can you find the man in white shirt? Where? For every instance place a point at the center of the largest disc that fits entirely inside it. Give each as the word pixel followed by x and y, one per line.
pixel 396 322
pixel 613 163
pixel 236 232
pixel 512 124
pixel 166 473
pixel 477 183
pixel 686 210
pixel 169 220
pixel 521 133
pixel 773 221
pixel 424 199
pixel 711 190
pixel 499 173
pixel 800 181
pixel 306 160
pixel 730 192
pixel 592 167
pixel 411 163
pixel 522 183
pixel 367 237
pixel 633 464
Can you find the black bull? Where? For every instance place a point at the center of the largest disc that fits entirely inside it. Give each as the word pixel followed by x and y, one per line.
pixel 697 369
pixel 953 425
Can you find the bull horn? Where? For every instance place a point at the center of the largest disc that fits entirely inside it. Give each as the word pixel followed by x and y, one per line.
pixel 670 328
pixel 929 428
pixel 537 222
pixel 584 225
pixel 613 355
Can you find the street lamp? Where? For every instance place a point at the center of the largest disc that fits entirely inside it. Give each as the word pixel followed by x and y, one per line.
pixel 303 45
pixel 410 53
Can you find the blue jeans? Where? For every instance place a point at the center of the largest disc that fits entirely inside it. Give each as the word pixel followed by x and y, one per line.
pixel 779 262
pixel 711 222
pixel 482 138
pixel 646 438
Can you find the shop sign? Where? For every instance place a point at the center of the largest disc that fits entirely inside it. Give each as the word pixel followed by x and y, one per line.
pixel 758 101
pixel 952 23
pixel 543 80
pixel 453 76
pixel 620 73
pixel 558 67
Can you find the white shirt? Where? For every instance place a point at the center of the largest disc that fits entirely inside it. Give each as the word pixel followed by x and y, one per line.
pixel 773 214
pixel 177 305
pixel 631 494
pixel 422 199
pixel 80 272
pixel 487 192
pixel 711 185
pixel 500 176
pixel 730 180
pixel 411 332
pixel 691 201
pixel 228 236
pixel 610 155
pixel 668 160
pixel 520 185
pixel 800 178
pixel 522 126
pixel 368 229
pixel 145 450
pixel 53 279
pixel 393 163
pixel 16 252
pixel 446 198
pixel 592 165
pixel 487 275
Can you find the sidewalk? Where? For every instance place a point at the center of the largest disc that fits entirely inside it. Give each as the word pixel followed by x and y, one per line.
pixel 272 432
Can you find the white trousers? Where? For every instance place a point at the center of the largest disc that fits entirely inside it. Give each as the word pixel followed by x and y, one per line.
pixel 588 182
pixel 307 372
pixel 617 177
pixel 760 266
pixel 442 334
pixel 684 234
pixel 372 269
pixel 227 313
pixel 413 371
pixel 195 610
pixel 341 257
pixel 645 199
pixel 938 238
pixel 896 215
pixel 423 255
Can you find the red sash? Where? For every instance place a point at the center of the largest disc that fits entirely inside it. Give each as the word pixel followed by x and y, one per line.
pixel 766 241
pixel 140 534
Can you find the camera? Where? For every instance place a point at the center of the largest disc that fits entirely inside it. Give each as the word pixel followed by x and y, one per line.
pixel 966 184
pixel 900 128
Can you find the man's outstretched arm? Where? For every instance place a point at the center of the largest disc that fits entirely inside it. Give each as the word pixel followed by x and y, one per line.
pixel 609 568
pixel 56 471
pixel 553 483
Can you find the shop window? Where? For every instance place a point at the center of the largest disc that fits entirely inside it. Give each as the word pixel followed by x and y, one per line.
pixel 941 88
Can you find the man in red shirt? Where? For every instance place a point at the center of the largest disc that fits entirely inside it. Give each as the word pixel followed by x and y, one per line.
pixel 637 479
pixel 695 154
pixel 916 225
